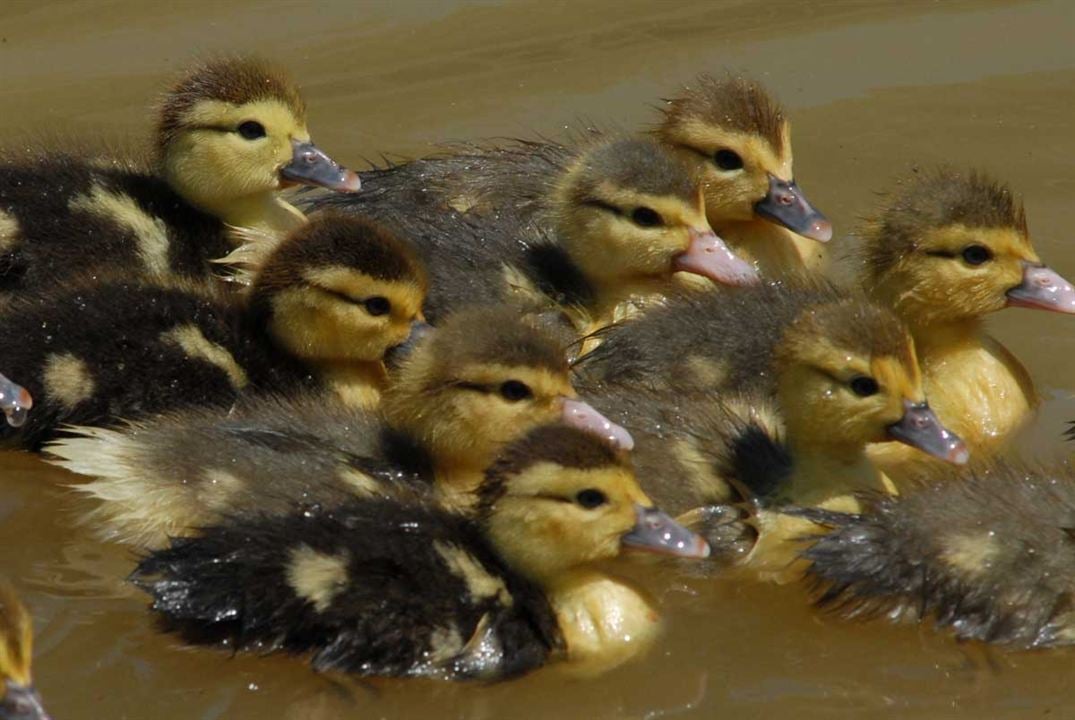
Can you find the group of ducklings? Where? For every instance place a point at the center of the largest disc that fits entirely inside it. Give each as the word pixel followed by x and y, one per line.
pixel 400 435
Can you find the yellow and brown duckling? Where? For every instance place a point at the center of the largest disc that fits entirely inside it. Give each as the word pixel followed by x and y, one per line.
pixel 739 139
pixel 18 698
pixel 948 249
pixel 400 587
pixel 584 231
pixel 844 375
pixel 323 311
pixel 230 135
pixel 987 556
pixel 480 380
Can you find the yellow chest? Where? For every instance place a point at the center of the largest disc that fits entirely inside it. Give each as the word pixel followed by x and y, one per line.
pixel 605 622
pixel 359 385
pixel 979 391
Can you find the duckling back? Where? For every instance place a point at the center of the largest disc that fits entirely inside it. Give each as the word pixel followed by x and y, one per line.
pixel 63 215
pixel 376 587
pixel 719 339
pixel 165 476
pixel 99 352
pixel 988 556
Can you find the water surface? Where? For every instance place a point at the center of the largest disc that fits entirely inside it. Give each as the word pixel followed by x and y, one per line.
pixel 874 89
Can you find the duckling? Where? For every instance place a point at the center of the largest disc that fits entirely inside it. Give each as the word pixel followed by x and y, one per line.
pixel 390 587
pixel 15 402
pixel 587 231
pixel 323 311
pixel 948 249
pixel 845 375
pixel 988 556
pixel 229 136
pixel 18 698
pixel 739 139
pixel 479 380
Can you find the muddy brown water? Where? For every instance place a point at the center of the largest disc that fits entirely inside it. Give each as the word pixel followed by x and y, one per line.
pixel 873 88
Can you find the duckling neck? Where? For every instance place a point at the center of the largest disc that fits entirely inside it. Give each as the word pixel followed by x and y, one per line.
pixel 265 212
pixel 605 621
pixel 357 384
pixel 941 337
pixel 828 474
pixel 774 250
pixel 456 482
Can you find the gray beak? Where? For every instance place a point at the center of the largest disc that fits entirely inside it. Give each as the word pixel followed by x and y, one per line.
pixel 655 531
pixel 310 166
pixel 921 429
pixel 786 205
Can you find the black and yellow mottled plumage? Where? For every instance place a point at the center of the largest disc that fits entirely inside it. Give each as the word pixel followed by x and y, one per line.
pixel 987 556
pixel 105 350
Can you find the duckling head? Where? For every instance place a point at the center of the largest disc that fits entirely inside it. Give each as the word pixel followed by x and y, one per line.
pixel 18 699
pixel 953 246
pixel 233 132
pixel 559 498
pixel 340 289
pixel 848 376
pixel 628 210
pixel 740 141
pixel 481 379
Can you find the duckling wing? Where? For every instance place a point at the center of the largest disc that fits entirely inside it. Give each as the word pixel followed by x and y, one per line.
pixel 166 475
pixel 378 588
pixel 989 557
pixel 105 350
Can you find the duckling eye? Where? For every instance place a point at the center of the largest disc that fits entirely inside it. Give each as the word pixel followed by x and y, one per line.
pixel 251 130
pixel 976 255
pixel 591 498
pixel 864 386
pixel 377 305
pixel 646 217
pixel 514 391
pixel 727 160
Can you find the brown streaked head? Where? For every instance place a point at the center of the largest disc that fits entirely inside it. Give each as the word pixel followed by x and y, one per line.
pixel 848 376
pixel 629 210
pixel 739 139
pixel 481 379
pixel 952 246
pixel 340 288
pixel 558 497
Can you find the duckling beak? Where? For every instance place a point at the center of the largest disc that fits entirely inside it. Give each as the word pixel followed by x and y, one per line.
pixel 1043 288
pixel 921 429
pixel 786 205
pixel 397 353
pixel 655 531
pixel 708 256
pixel 15 401
pixel 310 166
pixel 584 416
pixel 21 702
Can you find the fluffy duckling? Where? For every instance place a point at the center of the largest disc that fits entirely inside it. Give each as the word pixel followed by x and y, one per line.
pixel 230 135
pixel 391 587
pixel 948 249
pixel 583 230
pixel 989 557
pixel 478 381
pixel 845 376
pixel 739 139
pixel 18 698
pixel 15 402
pixel 325 308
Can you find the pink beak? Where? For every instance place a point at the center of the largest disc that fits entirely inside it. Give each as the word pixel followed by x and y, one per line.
pixel 584 416
pixel 708 256
pixel 1042 288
